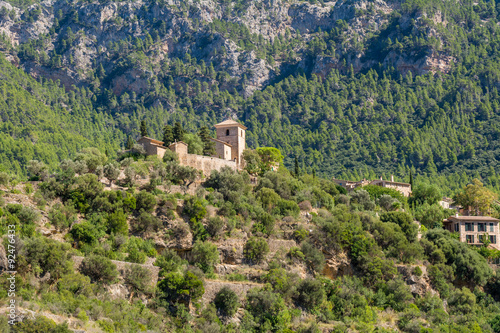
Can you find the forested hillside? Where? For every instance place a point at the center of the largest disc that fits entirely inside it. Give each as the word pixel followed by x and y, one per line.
pixel 352 89
pixel 132 245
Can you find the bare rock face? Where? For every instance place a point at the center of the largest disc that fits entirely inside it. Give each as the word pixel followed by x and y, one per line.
pixel 337 266
pixel 231 251
pixel 183 237
pixel 419 285
pixel 307 18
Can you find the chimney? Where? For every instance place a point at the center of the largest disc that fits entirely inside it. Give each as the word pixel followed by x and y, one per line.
pixel 380 177
pixel 456 214
pixel 392 178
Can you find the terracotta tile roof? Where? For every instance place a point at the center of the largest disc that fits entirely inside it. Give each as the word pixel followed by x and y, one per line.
pixel 224 142
pixel 230 122
pixel 158 142
pixel 473 218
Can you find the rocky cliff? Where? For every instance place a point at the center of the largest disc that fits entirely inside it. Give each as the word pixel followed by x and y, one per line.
pixel 125 46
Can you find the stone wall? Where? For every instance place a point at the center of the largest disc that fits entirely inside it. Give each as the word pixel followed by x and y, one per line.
pixel 205 163
pixel 121 266
pixel 212 287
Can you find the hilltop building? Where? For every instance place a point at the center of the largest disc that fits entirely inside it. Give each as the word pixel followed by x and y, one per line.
pixel 472 228
pixel 229 146
pixel 404 188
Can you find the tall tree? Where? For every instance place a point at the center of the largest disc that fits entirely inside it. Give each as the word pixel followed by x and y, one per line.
pixel 477 197
pixel 297 170
pixel 130 143
pixel 178 132
pixel 168 135
pixel 208 145
pixel 144 128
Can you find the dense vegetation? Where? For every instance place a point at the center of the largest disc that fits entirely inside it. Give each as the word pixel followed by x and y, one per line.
pixel 348 122
pixel 391 279
pixel 344 101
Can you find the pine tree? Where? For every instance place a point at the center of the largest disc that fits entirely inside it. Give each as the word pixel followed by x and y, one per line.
pixel 208 145
pixel 411 179
pixel 144 128
pixel 178 132
pixel 130 143
pixel 168 135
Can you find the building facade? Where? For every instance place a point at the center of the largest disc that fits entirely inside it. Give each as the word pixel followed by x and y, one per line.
pixel 404 188
pixel 472 229
pixel 229 146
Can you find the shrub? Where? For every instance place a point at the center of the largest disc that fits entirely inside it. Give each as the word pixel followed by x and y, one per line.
pixel 138 278
pixel 227 302
pixel 404 221
pixel 205 256
pixel 146 222
pixel 462 301
pixel 117 222
pixel 296 253
pixel 305 205
pixel 314 258
pixel 310 293
pixel 135 255
pixel 45 256
pixel 265 224
pixel 180 288
pixel 62 216
pixel 417 271
pixel 39 324
pixel 362 198
pixel 84 233
pixel 300 234
pixel 287 207
pixel 256 249
pixel 268 197
pixel 99 269
pixel 169 261
pixel 145 201
pixel 268 308
pixel 112 171
pixel 214 226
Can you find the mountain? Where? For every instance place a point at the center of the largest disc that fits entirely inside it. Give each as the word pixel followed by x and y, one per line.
pixel 350 88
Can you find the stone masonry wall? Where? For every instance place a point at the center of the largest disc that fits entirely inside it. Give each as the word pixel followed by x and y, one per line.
pixel 122 265
pixel 205 163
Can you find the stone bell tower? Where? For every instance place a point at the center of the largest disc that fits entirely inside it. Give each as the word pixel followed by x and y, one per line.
pixel 233 133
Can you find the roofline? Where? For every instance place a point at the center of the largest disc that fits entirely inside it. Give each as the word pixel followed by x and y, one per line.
pixel 232 125
pixel 151 139
pixel 174 143
pixel 389 181
pixel 224 142
pixel 473 218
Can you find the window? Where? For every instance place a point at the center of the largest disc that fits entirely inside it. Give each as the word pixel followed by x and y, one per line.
pixel 241 133
pixel 492 227
pixel 493 239
pixel 227 132
pixel 469 238
pixel 469 226
pixel 481 227
pixel 457 227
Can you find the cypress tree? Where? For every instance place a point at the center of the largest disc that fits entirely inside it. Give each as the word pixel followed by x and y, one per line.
pixel 297 170
pixel 168 135
pixel 208 145
pixel 130 143
pixel 144 128
pixel 178 132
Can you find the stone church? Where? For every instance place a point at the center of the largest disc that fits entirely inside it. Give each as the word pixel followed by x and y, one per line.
pixel 229 146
